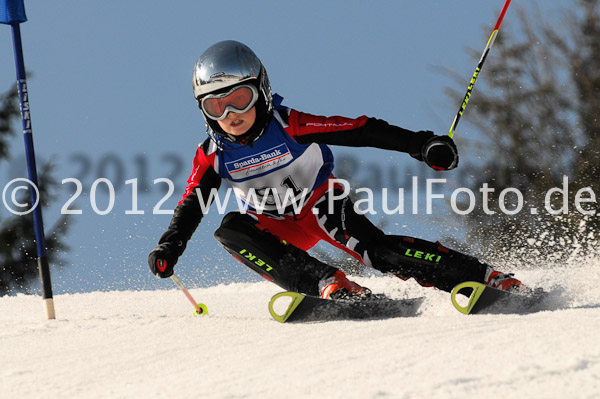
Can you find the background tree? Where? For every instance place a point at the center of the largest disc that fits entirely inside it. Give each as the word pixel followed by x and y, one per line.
pixel 537 108
pixel 18 253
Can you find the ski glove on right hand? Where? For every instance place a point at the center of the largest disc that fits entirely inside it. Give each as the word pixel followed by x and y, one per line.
pixel 440 153
pixel 162 259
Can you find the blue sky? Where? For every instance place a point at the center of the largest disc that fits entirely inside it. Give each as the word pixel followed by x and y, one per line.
pixel 111 96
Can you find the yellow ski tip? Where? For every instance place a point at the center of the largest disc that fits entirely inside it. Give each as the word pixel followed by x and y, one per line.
pixel 477 291
pixel 296 298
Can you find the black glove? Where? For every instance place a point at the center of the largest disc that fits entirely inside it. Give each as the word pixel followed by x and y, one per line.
pixel 162 259
pixel 440 153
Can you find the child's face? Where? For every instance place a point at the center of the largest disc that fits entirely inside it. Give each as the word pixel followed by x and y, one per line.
pixel 238 124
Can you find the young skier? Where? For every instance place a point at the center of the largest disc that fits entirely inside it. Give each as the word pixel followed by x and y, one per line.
pixel 270 153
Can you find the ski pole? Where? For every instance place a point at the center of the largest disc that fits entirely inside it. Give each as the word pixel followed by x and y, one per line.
pixel 487 49
pixel 201 308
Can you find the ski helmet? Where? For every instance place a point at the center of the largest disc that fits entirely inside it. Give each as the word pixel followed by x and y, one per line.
pixel 227 64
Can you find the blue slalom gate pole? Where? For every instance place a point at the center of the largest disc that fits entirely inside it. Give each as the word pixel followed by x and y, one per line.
pixel 12 12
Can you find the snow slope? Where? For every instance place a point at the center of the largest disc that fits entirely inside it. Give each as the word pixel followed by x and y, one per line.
pixel 148 345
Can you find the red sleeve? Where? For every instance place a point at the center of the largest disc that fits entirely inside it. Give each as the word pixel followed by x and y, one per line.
pixel 301 123
pixel 201 164
pixel 358 132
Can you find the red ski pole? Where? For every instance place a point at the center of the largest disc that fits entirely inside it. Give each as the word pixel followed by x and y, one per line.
pixel 201 308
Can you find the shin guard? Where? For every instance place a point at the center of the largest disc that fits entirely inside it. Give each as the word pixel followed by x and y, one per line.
pixel 285 265
pixel 431 264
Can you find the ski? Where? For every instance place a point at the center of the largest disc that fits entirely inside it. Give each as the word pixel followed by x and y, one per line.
pixel 488 300
pixel 302 308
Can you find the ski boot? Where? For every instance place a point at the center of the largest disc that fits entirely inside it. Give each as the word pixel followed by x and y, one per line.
pixel 337 286
pixel 502 281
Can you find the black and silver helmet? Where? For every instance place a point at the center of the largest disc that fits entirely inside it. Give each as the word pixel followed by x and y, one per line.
pixel 230 63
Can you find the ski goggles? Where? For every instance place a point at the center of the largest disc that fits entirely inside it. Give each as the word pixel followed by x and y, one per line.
pixel 239 100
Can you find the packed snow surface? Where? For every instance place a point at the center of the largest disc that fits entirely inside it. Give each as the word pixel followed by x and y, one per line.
pixel 149 345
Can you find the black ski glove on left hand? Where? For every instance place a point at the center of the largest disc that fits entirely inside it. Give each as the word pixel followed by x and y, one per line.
pixel 440 153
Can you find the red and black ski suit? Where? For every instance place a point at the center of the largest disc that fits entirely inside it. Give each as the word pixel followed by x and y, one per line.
pixel 275 244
